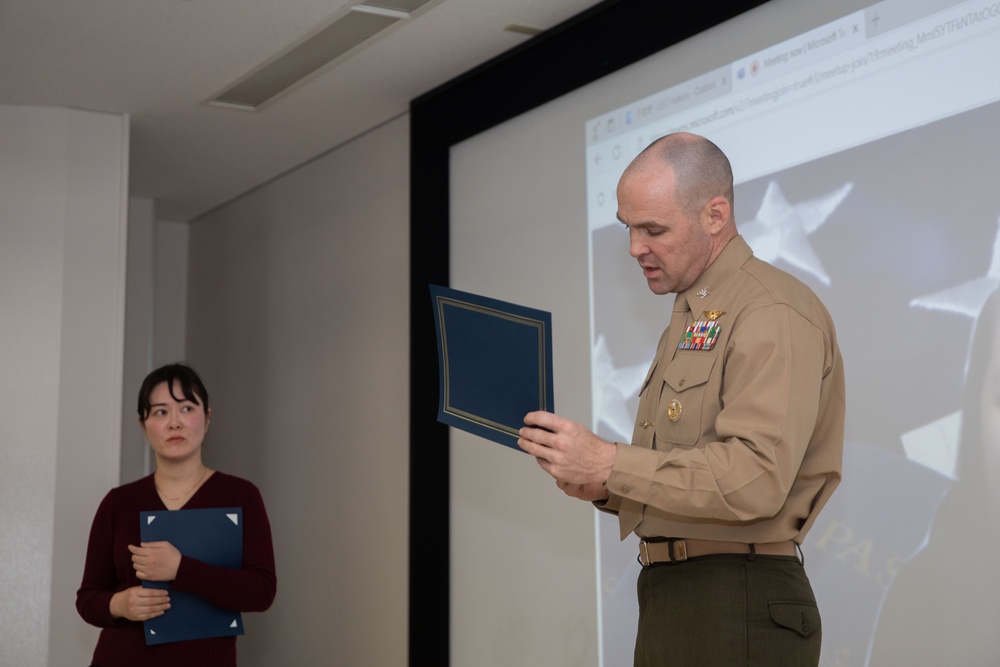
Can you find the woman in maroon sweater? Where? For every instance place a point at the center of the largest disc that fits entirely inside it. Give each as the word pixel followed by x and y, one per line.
pixel 174 414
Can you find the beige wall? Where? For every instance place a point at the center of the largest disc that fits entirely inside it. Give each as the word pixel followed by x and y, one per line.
pixel 62 277
pixel 298 321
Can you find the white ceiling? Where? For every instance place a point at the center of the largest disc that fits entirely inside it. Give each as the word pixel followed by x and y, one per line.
pixel 160 60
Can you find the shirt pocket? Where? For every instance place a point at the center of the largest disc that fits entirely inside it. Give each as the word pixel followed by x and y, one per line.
pixel 683 388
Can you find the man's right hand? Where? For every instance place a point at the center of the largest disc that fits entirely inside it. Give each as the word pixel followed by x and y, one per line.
pixel 588 492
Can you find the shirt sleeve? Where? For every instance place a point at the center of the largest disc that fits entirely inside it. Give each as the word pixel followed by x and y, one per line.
pixel 612 503
pixel 251 588
pixel 100 581
pixel 755 431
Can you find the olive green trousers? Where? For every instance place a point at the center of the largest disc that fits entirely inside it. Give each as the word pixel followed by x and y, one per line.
pixel 727 611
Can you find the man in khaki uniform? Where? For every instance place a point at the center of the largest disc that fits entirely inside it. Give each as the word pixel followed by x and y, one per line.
pixel 738 440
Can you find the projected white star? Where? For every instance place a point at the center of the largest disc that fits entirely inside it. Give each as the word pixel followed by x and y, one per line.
pixel 613 387
pixel 967 298
pixel 781 231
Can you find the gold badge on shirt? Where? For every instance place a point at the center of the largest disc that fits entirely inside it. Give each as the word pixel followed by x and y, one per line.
pixel 674 410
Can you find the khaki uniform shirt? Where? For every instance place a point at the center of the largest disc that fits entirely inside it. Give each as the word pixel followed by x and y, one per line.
pixel 742 442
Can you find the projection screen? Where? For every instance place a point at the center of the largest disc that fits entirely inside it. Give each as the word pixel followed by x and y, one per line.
pixel 866 155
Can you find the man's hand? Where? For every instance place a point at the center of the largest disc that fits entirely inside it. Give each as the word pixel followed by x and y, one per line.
pixel 155 561
pixel 588 492
pixel 579 461
pixel 139 604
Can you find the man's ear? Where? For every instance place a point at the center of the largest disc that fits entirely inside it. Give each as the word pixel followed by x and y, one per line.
pixel 717 211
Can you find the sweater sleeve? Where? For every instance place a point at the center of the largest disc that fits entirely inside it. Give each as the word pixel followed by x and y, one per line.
pixel 251 588
pixel 100 581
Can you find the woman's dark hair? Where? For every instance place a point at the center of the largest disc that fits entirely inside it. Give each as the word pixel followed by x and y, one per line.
pixel 191 386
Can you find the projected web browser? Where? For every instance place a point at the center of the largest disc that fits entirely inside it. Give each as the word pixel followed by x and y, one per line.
pixel 866 156
pixel 898 69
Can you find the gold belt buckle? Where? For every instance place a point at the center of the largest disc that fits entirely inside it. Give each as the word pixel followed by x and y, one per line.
pixel 643 553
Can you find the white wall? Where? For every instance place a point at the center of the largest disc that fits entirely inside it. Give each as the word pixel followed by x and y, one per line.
pixel 298 322
pixel 507 516
pixel 171 239
pixel 139 304
pixel 62 275
pixel 155 316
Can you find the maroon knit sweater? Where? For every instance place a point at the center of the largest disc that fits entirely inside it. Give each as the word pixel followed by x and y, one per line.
pixel 109 569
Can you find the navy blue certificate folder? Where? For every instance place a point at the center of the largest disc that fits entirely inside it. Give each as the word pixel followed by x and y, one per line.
pixel 213 536
pixel 495 363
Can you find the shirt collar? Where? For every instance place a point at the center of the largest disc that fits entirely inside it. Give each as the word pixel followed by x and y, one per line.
pixel 719 272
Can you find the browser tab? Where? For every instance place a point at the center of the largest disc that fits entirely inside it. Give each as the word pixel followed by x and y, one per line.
pixel 888 15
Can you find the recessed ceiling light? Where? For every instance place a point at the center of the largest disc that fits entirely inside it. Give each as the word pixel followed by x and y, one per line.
pixel 347 32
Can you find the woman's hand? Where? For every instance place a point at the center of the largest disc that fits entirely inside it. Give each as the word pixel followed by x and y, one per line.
pixel 155 561
pixel 139 604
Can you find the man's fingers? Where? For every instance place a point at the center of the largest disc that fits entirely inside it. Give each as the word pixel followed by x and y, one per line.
pixel 542 419
pixel 540 436
pixel 533 441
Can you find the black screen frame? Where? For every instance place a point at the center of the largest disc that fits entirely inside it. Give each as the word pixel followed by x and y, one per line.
pixel 609 36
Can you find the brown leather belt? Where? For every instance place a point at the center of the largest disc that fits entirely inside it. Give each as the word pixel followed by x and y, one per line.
pixel 674 550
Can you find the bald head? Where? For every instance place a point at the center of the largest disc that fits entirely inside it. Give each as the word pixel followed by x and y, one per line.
pixel 700 169
pixel 676 199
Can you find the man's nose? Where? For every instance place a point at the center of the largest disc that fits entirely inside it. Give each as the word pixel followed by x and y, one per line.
pixel 636 247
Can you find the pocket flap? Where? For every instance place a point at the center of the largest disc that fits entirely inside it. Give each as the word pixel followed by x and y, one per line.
pixel 689 370
pixel 800 617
